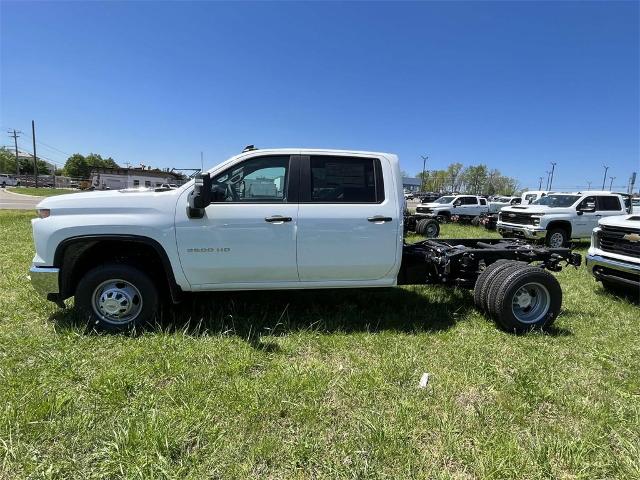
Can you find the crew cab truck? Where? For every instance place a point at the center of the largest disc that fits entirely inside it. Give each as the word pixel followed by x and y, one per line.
pixel 465 207
pixel 614 254
pixel 557 218
pixel 7 180
pixel 329 219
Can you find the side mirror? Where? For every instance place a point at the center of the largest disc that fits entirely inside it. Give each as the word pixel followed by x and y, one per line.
pixel 457 203
pixel 200 197
pixel 588 208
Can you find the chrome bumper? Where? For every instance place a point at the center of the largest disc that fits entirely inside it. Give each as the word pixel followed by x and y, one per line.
pixel 600 267
pixel 44 280
pixel 521 231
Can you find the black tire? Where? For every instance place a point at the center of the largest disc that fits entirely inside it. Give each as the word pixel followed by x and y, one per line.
pixel 431 228
pixel 142 299
pixel 492 289
pixel 475 221
pixel 420 226
pixel 446 216
pixel 485 289
pixel 484 276
pixel 543 292
pixel 551 240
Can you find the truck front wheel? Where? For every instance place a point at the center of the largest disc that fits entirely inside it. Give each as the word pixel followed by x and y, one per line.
pixel 117 297
pixel 557 238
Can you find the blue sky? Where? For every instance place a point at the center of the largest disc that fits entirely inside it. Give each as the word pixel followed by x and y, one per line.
pixel 515 85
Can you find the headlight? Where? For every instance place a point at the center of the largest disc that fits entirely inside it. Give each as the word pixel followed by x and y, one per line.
pixel 536 220
pixel 43 212
pixel 595 243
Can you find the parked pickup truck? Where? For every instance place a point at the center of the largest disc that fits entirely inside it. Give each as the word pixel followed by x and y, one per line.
pixel 7 180
pixel 465 207
pixel 331 219
pixel 557 218
pixel 614 255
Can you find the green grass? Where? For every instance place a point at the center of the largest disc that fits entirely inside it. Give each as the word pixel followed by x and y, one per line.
pixel 41 192
pixel 317 384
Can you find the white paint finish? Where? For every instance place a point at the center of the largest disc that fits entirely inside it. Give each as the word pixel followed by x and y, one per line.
pixel 258 251
pixel 336 242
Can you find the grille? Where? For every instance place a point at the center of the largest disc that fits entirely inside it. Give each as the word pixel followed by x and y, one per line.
pixel 519 218
pixel 423 209
pixel 611 240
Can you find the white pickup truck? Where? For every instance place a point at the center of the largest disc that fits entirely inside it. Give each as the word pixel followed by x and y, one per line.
pixel 7 180
pixel 614 254
pixel 557 218
pixel 465 207
pixel 328 219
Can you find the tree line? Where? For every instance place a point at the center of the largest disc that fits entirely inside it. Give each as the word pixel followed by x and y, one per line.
pixel 77 165
pixel 474 179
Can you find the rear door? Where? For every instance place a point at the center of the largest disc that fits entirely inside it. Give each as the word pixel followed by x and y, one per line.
pixel 347 219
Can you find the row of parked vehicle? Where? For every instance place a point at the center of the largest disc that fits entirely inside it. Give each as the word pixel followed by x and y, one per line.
pixel 610 219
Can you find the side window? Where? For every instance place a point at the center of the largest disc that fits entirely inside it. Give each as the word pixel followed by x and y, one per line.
pixel 147 183
pixel 483 201
pixel 589 203
pixel 136 183
pixel 257 180
pixel 346 180
pixel 469 201
pixel 609 203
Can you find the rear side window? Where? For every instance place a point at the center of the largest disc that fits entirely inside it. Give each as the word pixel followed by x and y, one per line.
pixel 483 201
pixel 469 201
pixel 609 203
pixel 346 180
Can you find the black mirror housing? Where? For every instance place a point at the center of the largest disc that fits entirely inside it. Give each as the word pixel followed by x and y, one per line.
pixel 200 197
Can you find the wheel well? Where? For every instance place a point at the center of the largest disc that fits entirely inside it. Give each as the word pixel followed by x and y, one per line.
pixel 445 213
pixel 563 224
pixel 77 256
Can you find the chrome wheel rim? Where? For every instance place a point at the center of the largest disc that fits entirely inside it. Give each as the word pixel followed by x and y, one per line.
pixel 531 303
pixel 556 240
pixel 117 301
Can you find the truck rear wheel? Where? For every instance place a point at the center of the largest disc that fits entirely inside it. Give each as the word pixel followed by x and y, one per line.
pixel 527 298
pixel 430 228
pixel 117 297
pixel 479 292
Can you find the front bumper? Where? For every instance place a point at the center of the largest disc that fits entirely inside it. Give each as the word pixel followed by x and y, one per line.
pixel 522 231
pixel 45 280
pixel 604 268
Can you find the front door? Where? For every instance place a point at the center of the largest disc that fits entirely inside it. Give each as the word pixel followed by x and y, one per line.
pixel 249 237
pixel 348 223
pixel 587 219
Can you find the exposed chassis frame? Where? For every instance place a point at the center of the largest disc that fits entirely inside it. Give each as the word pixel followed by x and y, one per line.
pixel 458 262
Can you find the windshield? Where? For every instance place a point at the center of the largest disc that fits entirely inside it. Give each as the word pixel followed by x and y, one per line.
pixel 557 201
pixel 444 200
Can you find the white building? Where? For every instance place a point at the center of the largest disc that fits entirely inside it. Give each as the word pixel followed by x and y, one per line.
pixel 119 178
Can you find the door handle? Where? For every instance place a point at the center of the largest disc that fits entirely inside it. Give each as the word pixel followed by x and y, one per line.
pixel 379 218
pixel 277 219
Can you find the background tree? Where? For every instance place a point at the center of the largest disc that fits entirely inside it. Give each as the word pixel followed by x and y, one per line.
pixel 78 165
pixel 7 161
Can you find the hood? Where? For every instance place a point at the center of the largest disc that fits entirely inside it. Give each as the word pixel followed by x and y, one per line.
pixel 622 221
pixel 434 205
pixel 534 209
pixel 111 201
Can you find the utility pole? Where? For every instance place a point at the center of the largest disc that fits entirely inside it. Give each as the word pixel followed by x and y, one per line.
pixel 588 185
pixel 553 167
pixel 632 182
pixel 15 136
pixel 611 183
pixel 604 179
pixel 424 165
pixel 540 184
pixel 35 157
pixel 548 178
pixel 201 162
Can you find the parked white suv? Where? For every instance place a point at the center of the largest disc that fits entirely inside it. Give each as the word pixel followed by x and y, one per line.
pixel 464 206
pixel 557 218
pixel 614 255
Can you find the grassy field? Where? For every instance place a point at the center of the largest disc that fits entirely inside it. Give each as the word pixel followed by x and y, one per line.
pixel 41 192
pixel 317 384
